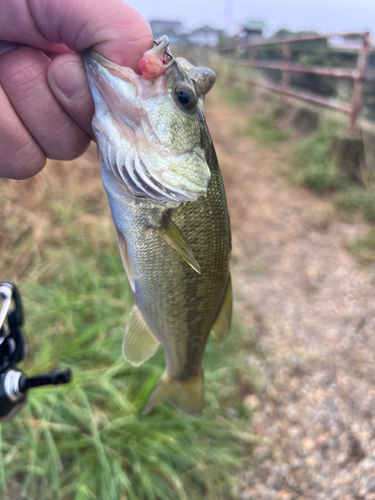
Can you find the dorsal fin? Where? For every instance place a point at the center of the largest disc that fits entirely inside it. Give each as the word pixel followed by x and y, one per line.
pixel 139 342
pixel 174 237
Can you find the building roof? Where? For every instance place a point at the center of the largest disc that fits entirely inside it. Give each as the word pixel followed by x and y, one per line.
pixel 255 25
pixel 206 29
pixel 349 44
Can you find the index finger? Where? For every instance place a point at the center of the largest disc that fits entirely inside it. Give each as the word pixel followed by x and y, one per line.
pixel 112 28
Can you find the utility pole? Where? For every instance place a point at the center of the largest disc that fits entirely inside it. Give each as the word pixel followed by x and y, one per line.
pixel 228 12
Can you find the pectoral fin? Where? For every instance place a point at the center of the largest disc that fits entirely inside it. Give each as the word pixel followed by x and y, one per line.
pixel 174 237
pixel 221 327
pixel 125 259
pixel 139 342
pixel 186 396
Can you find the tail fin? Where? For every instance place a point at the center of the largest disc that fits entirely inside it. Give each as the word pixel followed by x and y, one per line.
pixel 186 396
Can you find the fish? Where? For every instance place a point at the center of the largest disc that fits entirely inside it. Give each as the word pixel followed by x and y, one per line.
pixel 166 194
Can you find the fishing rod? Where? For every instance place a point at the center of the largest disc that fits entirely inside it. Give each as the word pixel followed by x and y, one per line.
pixel 14 384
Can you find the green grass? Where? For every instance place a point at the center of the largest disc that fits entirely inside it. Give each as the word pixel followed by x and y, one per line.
pixel 315 167
pixel 357 199
pixel 262 128
pixel 364 248
pixel 236 95
pixel 88 440
pixel 257 267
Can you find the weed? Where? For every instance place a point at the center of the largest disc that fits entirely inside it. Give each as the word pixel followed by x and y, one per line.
pixel 236 95
pixel 88 440
pixel 357 199
pixel 315 167
pixel 258 267
pixel 364 248
pixel 262 129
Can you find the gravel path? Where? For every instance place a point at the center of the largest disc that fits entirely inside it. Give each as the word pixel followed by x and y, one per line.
pixel 311 307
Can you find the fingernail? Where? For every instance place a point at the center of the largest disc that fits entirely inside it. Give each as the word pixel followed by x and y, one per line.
pixel 71 79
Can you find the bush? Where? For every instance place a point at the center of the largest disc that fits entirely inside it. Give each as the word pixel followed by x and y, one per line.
pixel 315 166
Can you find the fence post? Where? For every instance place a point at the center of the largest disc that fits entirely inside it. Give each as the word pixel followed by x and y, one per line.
pixel 252 69
pixel 232 54
pixel 287 55
pixel 358 82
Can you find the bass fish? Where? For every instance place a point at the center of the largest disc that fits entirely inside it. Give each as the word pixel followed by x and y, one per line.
pixel 166 194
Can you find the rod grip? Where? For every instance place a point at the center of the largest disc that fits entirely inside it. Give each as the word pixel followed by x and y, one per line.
pixel 55 377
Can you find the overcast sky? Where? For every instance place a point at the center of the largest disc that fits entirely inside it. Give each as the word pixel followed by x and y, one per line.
pixel 322 15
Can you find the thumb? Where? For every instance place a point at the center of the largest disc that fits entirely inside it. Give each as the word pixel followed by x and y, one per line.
pixel 68 82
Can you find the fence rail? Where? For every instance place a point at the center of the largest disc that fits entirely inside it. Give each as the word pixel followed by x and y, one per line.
pixel 286 67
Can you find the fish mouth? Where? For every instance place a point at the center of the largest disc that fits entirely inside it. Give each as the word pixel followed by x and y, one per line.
pixel 99 69
pixel 114 89
pixel 153 63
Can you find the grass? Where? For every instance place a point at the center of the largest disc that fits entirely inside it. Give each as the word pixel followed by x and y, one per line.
pixel 316 168
pixel 262 128
pixel 236 95
pixel 364 248
pixel 357 199
pixel 257 267
pixel 88 440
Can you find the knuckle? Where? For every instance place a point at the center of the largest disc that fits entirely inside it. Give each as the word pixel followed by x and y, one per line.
pixel 24 163
pixel 24 71
pixel 72 142
pixel 20 156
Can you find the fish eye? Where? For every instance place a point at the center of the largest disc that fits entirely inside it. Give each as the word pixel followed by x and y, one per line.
pixel 185 97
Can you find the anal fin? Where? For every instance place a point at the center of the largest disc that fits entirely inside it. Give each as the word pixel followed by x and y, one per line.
pixel 221 327
pixel 186 396
pixel 139 342
pixel 174 237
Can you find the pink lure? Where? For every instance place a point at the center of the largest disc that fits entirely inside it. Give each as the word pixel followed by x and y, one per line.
pixel 151 67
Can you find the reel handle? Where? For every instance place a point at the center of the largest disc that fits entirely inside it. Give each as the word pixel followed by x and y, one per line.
pixel 14 384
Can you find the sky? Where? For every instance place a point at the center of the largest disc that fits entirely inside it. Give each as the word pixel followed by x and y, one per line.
pixel 320 15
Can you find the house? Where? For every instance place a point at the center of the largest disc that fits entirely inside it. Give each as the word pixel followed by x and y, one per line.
pixel 205 36
pixel 348 44
pixel 252 32
pixel 173 29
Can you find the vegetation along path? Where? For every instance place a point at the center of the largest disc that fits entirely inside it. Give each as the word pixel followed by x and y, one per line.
pixel 301 364
pixel 311 307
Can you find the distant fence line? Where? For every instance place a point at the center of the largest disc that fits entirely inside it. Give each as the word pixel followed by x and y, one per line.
pixel 232 55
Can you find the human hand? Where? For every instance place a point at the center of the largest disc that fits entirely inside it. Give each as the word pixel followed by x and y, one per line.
pixel 45 102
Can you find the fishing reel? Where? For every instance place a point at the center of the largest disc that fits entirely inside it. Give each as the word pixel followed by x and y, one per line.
pixel 14 384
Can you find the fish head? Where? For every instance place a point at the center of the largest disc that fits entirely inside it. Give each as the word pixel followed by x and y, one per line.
pixel 149 128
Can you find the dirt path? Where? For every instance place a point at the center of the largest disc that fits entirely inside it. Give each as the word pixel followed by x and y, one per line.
pixel 312 308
